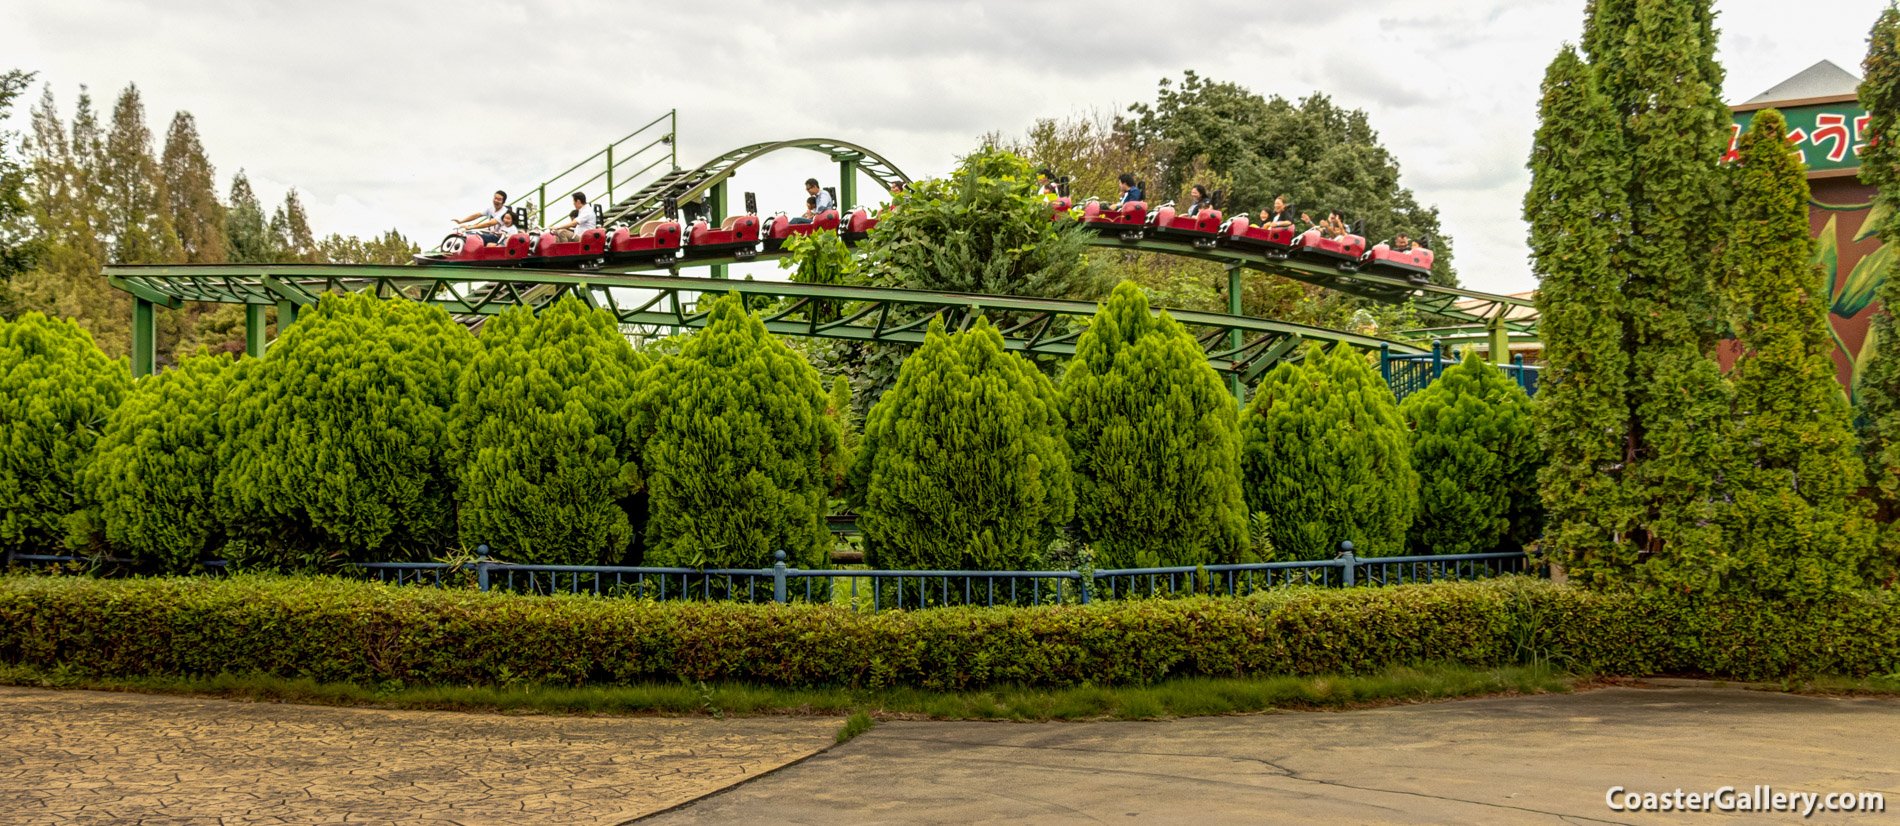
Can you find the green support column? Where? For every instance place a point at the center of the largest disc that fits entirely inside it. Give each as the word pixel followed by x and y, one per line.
pixel 144 338
pixel 286 316
pixel 847 185
pixel 1233 336
pixel 254 324
pixel 716 201
pixel 1500 340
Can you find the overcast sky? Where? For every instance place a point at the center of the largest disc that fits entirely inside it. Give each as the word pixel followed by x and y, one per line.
pixel 402 113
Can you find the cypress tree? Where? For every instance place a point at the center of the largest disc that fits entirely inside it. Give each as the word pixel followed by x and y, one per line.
pixel 1326 457
pixel 1576 209
pixel 1477 459
pixel 56 392
pixel 540 422
pixel 245 227
pixel 1879 386
pixel 1156 442
pixel 737 451
pixel 963 464
pixel 155 464
pixel 1797 528
pixel 139 223
pixel 290 232
pixel 191 195
pixel 338 445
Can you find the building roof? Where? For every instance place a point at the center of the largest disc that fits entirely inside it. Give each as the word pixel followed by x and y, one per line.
pixel 1823 79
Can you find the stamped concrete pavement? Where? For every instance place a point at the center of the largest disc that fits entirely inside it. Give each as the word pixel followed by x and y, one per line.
pixel 1508 760
pixel 83 757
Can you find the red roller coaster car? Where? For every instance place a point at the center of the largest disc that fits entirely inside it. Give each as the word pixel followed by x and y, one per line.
pixel 1127 220
pixel 1343 251
pixel 589 246
pixel 1414 264
pixel 740 233
pixel 779 228
pixel 1203 228
pixel 470 249
pixel 858 226
pixel 656 239
pixel 1061 206
pixel 1241 234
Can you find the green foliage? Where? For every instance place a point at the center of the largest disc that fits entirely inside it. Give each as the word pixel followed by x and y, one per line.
pixel 155 465
pixel 1878 385
pixel 1797 527
pixel 56 393
pixel 19 246
pixel 1477 459
pixel 1326 457
pixel 543 458
pixel 246 227
pixel 191 197
pixel 1578 175
pixel 1156 443
pixel 963 464
pixel 819 258
pixel 737 450
pixel 189 626
pixel 339 443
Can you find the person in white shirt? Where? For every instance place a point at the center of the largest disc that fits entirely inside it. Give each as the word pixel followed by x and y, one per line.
pixel 578 221
pixel 487 217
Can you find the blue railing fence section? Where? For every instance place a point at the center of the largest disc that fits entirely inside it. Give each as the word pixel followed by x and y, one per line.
pixel 1410 374
pixel 875 590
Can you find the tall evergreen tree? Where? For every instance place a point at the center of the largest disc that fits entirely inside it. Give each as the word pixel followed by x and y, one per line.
pixel 1326 457
pixel 1156 442
pixel 290 232
pixel 65 191
pixel 963 464
pixel 1577 211
pixel 1477 461
pixel 1797 527
pixel 136 203
pixel 245 226
pixel 20 245
pixel 191 197
pixel 540 425
pixel 1879 385
pixel 737 451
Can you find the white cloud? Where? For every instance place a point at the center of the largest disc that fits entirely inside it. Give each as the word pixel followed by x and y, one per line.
pixel 403 112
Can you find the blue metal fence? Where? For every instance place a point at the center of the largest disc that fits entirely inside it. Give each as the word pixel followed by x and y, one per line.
pixel 1410 374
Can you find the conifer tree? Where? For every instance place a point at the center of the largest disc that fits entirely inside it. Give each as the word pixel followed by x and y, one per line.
pixel 155 464
pixel 66 194
pixel 245 226
pixel 1326 457
pixel 19 246
pixel 1156 442
pixel 540 423
pixel 56 392
pixel 290 232
pixel 138 221
pixel 1879 385
pixel 1576 210
pixel 1797 528
pixel 338 446
pixel 191 195
pixel 1477 460
pixel 737 452
pixel 963 464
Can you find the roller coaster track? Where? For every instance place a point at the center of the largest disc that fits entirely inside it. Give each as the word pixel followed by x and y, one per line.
pixel 685 186
pixel 1235 345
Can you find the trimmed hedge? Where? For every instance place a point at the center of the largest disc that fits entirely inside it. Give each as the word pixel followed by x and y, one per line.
pixel 337 630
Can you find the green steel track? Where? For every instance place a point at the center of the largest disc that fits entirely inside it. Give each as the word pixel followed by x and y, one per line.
pixel 1238 346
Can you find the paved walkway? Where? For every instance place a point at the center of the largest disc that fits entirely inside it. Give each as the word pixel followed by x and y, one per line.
pixel 1525 760
pixel 81 757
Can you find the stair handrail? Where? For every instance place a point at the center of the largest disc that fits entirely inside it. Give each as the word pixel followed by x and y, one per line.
pixel 670 139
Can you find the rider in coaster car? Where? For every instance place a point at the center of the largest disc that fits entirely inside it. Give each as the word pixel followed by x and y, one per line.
pixel 1401 243
pixel 1130 192
pixel 486 218
pixel 823 201
pixel 1333 227
pixel 1282 215
pixel 502 230
pixel 1046 186
pixel 578 221
pixel 811 211
pixel 1198 195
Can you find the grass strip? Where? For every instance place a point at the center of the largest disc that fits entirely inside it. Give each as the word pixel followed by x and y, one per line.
pixel 1179 697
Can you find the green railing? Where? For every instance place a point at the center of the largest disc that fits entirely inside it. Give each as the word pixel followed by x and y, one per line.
pixel 614 161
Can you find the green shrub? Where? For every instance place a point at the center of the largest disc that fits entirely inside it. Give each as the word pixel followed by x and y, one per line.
pixel 1156 441
pixel 338 444
pixel 962 464
pixel 56 391
pixel 544 460
pixel 367 634
pixel 738 452
pixel 1475 450
pixel 155 465
pixel 1326 458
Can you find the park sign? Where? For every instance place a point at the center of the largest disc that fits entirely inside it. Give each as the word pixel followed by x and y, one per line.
pixel 1826 131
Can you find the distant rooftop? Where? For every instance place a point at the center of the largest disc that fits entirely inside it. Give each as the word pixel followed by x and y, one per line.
pixel 1823 79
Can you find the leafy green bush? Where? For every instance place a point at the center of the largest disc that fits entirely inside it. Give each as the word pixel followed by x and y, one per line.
pixel 1156 441
pixel 155 465
pixel 962 464
pixel 338 442
pixel 1327 458
pixel 367 634
pixel 544 460
pixel 738 451
pixel 1475 450
pixel 56 392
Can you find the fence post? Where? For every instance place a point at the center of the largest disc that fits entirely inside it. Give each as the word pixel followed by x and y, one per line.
pixel 1348 563
pixel 778 577
pixel 1084 579
pixel 481 566
pixel 1438 358
pixel 1385 363
pixel 1517 361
